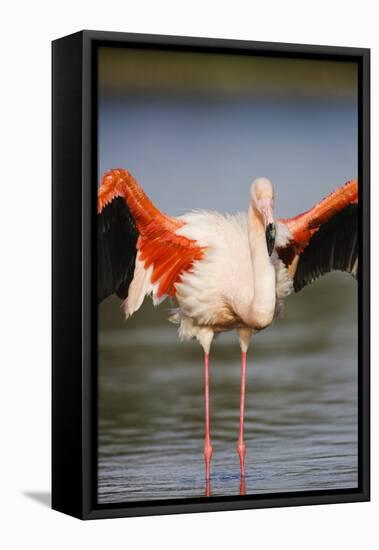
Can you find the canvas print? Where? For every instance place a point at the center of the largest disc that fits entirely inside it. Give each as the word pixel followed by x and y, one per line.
pixel 227 254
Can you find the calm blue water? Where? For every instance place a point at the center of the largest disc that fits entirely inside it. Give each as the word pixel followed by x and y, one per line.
pixel 301 402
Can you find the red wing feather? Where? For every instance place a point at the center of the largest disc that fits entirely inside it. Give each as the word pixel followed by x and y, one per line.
pixel 159 246
pixel 323 239
pixel 303 226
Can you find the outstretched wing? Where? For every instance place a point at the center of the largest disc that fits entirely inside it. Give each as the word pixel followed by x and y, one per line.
pixel 131 231
pixel 117 237
pixel 333 247
pixel 324 238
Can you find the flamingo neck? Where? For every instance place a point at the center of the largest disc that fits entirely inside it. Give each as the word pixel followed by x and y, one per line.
pixel 264 299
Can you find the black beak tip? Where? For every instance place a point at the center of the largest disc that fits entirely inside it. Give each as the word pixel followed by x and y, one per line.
pixel 270 238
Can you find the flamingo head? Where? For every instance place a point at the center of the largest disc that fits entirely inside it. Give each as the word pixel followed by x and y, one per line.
pixel 262 200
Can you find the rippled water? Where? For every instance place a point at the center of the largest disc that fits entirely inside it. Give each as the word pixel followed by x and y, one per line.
pixel 301 402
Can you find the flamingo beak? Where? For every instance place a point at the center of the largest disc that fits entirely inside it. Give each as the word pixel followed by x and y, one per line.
pixel 270 237
pixel 266 208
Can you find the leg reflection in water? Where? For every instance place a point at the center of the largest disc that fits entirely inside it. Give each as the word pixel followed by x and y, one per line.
pixel 208 488
pixel 242 487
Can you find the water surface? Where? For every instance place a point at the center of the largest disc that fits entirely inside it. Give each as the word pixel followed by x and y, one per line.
pixel 301 402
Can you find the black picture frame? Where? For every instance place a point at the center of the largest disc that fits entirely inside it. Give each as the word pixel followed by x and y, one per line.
pixel 74 310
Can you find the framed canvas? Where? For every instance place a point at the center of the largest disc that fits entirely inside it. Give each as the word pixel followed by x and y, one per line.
pixel 224 186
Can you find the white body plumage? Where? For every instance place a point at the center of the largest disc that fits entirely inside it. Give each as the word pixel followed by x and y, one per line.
pixel 236 285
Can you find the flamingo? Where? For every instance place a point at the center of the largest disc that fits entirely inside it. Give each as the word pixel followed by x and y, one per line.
pixel 225 272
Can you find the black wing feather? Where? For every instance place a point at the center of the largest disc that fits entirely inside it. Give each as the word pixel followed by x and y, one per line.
pixel 117 237
pixel 333 247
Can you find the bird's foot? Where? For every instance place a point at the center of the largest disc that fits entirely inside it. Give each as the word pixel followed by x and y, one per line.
pixel 241 450
pixel 208 451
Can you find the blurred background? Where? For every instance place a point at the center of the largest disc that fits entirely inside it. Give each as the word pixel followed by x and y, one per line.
pixel 195 130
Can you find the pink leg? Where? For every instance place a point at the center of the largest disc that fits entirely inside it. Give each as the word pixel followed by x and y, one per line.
pixel 207 445
pixel 241 447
